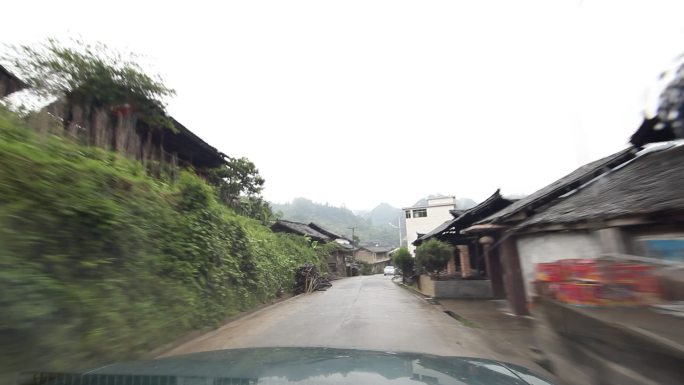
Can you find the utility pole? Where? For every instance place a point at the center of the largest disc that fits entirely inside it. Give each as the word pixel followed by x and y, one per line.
pixel 352 242
pixel 397 227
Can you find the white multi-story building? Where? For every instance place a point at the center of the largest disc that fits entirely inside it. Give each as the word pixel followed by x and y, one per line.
pixel 426 215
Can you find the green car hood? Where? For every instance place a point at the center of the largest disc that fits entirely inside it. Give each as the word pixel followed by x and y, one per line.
pixel 299 366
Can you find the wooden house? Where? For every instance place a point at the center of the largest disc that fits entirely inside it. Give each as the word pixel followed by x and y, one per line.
pixel 340 259
pixel 9 83
pixel 474 258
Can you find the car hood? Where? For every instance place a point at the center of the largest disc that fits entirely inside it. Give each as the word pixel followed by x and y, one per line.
pixel 306 366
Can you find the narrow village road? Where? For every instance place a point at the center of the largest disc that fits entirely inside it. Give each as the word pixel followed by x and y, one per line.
pixel 368 312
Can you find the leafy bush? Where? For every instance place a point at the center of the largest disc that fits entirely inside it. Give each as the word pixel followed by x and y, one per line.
pixel 366 268
pixel 432 255
pixel 100 263
pixel 404 261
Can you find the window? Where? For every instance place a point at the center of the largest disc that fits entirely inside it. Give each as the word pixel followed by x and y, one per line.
pixel 420 213
pixel 670 249
pixel 408 213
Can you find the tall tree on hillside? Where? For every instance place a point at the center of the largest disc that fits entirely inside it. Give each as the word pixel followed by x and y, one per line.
pixel 240 186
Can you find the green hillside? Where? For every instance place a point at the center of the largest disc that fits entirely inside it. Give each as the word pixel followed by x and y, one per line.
pixel 373 227
pixel 99 262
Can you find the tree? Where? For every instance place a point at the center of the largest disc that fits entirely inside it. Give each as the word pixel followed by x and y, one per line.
pixel 93 75
pixel 366 268
pixel 256 207
pixel 239 186
pixel 404 261
pixel 240 178
pixel 432 255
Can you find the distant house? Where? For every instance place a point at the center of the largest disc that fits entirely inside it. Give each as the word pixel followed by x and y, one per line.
pixel 425 215
pixel 303 229
pixel 9 83
pixel 474 257
pixel 376 256
pixel 337 238
pixel 339 261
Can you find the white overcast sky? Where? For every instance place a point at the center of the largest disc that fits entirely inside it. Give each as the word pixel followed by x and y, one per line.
pixel 362 102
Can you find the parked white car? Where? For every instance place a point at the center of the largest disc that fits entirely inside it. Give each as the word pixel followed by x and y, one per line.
pixel 389 270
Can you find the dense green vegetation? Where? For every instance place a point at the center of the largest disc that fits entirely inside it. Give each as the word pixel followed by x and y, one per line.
pixel 404 261
pixel 340 219
pixel 432 256
pixel 100 262
pixel 239 186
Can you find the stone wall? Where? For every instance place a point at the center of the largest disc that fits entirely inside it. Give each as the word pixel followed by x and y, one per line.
pixel 455 288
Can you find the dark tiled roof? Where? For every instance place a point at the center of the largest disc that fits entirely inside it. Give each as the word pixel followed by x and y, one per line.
pixel 456 213
pixel 453 227
pixel 652 183
pixel 437 230
pixel 13 83
pixel 191 147
pixel 330 234
pixel 299 228
pixel 548 194
pixel 378 249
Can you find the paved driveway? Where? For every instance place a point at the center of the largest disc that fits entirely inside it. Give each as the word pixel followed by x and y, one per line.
pixel 368 312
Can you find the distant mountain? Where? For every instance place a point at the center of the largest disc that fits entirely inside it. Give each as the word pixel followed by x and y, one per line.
pixel 465 203
pixel 361 213
pixel 383 214
pixel 372 228
pixel 378 225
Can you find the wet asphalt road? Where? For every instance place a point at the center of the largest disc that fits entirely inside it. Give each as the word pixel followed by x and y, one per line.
pixel 369 312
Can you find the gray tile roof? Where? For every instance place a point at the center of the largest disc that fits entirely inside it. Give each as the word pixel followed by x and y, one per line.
pixel 653 183
pixel 548 194
pixel 299 228
pixel 453 226
pixel 327 232
pixel 378 249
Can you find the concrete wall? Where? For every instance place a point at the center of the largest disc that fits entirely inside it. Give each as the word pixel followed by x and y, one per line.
pixel 450 200
pixel 463 289
pixel 427 285
pixel 550 247
pixel 455 288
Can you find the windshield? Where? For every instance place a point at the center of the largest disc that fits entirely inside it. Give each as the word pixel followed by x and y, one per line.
pixel 496 182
